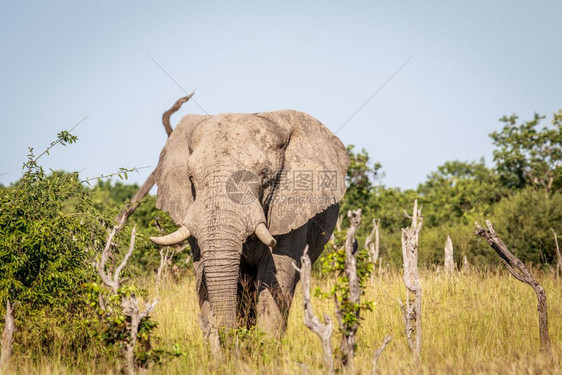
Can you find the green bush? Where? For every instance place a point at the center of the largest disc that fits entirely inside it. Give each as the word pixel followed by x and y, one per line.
pixel 48 229
pixel 523 222
pixel 52 228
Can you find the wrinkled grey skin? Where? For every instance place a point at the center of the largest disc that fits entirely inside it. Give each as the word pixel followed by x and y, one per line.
pixel 241 281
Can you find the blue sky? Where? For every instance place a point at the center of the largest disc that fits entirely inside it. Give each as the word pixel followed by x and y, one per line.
pixel 473 62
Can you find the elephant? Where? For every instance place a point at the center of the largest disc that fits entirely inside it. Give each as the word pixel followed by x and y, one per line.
pixel 249 193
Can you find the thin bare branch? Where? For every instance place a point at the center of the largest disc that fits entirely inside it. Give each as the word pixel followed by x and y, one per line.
pixel 117 273
pixel 378 353
pixel 105 255
pixel 54 143
pixel 131 206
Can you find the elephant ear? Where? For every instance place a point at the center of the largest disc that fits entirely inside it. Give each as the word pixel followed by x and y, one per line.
pixel 174 186
pixel 313 174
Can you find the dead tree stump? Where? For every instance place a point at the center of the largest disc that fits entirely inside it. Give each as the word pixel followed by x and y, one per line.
pixel 465 264
pixel 449 265
pixel 558 256
pixel 516 267
pixel 322 330
pixel 372 243
pixel 412 311
pixel 7 337
pixel 347 345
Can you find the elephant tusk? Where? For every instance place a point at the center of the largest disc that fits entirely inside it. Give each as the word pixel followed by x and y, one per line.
pixel 178 236
pixel 263 234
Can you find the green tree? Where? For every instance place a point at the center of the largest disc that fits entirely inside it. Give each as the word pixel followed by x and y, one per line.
pixel 527 155
pixel 361 175
pixel 458 192
pixel 377 202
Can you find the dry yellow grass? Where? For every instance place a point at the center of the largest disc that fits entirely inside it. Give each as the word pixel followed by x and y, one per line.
pixel 483 322
pixel 472 323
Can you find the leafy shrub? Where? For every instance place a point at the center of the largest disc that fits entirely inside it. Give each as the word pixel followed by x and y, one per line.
pixel 47 229
pixel 523 221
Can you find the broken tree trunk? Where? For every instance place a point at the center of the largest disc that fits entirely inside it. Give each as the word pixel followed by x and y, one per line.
pixel 322 330
pixel 558 256
pixel 449 265
pixel 465 264
pixel 338 223
pixel 131 309
pixel 7 337
pixel 516 267
pixel 412 311
pixel 372 243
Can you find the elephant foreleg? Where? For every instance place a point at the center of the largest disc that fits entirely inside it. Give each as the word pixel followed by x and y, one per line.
pixel 276 280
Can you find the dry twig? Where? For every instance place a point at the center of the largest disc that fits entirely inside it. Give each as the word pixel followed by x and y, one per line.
pixel 378 353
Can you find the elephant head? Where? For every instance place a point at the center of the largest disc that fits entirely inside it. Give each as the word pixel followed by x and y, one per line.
pixel 229 177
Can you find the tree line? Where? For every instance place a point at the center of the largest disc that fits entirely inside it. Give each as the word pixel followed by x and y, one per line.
pixel 521 193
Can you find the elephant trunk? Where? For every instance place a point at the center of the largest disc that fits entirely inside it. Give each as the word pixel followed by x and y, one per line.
pixel 222 221
pixel 221 239
pixel 221 261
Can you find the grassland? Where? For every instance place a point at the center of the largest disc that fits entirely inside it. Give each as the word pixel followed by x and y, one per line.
pixel 479 322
